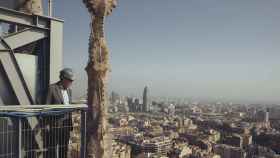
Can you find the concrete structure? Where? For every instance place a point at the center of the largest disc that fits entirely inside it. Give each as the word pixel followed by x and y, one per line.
pixel 159 145
pixel 274 113
pixel 171 109
pixel 247 140
pixel 234 140
pixel 121 150
pixel 134 105
pixel 226 151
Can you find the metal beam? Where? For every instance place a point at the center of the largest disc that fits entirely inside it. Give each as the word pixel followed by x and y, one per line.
pixel 18 126
pixel 20 18
pixel 15 17
pixel 56 49
pixel 14 78
pixel 23 37
pixel 1 101
pixel 7 94
pixel 3 47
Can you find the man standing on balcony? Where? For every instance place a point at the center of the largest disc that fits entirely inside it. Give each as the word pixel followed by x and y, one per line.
pixel 61 126
pixel 60 92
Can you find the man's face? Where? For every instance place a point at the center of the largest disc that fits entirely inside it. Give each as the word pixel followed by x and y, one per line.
pixel 66 83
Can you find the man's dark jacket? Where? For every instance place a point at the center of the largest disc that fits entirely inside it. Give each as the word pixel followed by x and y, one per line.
pixel 54 95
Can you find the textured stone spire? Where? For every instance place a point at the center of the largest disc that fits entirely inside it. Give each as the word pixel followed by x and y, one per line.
pixel 98 145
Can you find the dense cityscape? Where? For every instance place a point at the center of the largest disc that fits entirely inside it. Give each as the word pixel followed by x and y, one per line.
pixel 142 127
pixel 204 49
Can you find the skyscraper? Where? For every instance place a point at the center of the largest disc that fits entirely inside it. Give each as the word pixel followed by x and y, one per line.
pixel 145 100
pixel 267 115
pixel 114 97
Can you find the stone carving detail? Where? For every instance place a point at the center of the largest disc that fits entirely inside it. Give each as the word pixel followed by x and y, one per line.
pixel 98 145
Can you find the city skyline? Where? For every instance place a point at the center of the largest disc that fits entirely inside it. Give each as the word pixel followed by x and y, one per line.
pixel 221 50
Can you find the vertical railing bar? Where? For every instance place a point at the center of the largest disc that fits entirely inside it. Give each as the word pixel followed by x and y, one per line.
pixel 56 134
pixel 19 137
pixel 11 139
pixel 83 134
pixel 2 133
pixel 31 138
pixel 5 138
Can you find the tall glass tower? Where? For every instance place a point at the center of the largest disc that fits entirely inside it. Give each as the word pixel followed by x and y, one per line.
pixel 145 100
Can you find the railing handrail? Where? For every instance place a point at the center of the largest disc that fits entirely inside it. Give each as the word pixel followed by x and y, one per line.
pixel 39 108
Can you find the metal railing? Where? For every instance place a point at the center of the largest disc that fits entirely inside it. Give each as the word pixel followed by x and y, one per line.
pixel 43 131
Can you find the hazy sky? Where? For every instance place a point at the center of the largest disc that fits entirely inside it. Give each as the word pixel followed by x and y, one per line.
pixel 218 49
